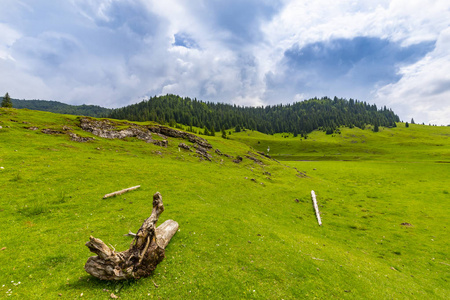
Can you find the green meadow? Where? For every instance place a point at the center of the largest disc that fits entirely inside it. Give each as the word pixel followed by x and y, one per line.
pixel 247 230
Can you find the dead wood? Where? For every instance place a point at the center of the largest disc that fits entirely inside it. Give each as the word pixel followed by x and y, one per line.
pixel 316 207
pixel 121 191
pixel 145 252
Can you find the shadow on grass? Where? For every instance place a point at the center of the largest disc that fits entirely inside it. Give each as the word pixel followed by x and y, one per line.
pixel 89 282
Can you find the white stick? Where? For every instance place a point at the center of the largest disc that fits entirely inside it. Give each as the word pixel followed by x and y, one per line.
pixel 121 192
pixel 316 208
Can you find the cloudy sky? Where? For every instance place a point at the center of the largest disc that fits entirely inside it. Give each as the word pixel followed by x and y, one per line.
pixel 249 52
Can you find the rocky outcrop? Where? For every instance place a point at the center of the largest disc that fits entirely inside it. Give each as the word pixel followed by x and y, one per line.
pixel 184 146
pixel 203 152
pixel 167 131
pixel 221 153
pixel 251 156
pixel 76 138
pixel 238 159
pixel 109 129
pixel 51 131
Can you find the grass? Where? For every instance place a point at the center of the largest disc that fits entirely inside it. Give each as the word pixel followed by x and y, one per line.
pixel 239 238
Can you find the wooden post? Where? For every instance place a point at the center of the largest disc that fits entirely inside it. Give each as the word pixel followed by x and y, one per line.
pixel 316 207
pixel 121 191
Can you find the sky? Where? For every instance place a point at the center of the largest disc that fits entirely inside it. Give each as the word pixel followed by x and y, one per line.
pixel 114 53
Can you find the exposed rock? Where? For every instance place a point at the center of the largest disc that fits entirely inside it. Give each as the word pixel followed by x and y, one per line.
pixel 238 159
pixel 202 152
pixel 108 129
pixel 254 159
pixel 66 128
pixel 76 138
pixel 180 134
pixel 300 174
pixel 51 131
pixel 32 128
pixel 263 154
pixel 406 224
pixel 224 154
pixel 163 143
pixel 184 146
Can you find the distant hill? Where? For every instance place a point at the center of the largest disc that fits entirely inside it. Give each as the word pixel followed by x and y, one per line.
pixel 297 118
pixel 62 108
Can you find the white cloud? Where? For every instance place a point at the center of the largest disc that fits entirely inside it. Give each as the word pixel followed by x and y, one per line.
pixel 7 38
pixel 115 52
pixel 423 93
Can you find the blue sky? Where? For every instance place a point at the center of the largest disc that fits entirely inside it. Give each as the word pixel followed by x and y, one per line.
pixel 249 52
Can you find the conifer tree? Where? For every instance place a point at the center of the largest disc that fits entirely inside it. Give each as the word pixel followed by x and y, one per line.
pixel 224 133
pixel 375 128
pixel 7 101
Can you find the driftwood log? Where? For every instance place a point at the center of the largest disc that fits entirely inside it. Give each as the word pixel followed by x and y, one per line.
pixel 121 191
pixel 145 252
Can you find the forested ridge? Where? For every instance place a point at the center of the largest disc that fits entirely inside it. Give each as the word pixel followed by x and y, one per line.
pixel 62 108
pixel 297 118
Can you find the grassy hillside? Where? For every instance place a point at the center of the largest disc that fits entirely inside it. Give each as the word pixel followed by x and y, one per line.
pixel 413 143
pixel 238 238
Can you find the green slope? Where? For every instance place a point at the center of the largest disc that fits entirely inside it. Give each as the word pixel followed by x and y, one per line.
pixel 238 238
pixel 416 143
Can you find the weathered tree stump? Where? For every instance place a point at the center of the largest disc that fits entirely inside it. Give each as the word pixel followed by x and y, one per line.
pixel 145 252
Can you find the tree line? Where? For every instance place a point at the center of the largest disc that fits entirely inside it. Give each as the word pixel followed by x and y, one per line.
pixel 58 107
pixel 297 118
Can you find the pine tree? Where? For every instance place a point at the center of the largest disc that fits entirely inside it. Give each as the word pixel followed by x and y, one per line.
pixel 224 133
pixel 375 128
pixel 7 101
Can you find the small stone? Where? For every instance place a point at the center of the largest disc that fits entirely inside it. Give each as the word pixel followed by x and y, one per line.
pixel 113 296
